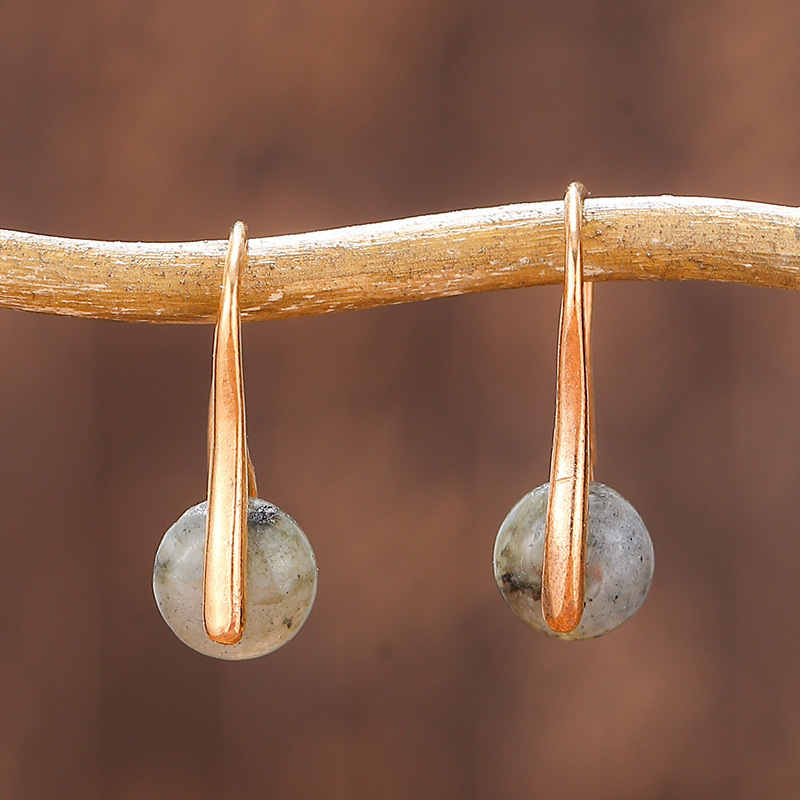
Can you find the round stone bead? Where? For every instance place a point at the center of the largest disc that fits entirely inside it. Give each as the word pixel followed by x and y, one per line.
pixel 280 589
pixel 619 562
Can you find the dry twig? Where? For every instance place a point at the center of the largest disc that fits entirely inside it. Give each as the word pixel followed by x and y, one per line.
pixel 629 238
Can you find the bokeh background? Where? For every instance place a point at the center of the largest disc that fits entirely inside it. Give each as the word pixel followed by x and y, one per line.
pixel 399 437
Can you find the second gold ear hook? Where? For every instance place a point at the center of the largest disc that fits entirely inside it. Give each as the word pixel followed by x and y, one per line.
pixel 573 558
pixel 230 472
pixel 571 466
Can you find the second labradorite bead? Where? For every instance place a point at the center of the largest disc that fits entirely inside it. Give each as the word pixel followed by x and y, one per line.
pixel 619 561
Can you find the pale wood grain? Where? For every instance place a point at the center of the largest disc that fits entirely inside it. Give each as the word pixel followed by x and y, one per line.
pixel 630 238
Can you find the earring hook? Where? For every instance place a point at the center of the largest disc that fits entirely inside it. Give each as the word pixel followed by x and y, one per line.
pixel 230 472
pixel 571 468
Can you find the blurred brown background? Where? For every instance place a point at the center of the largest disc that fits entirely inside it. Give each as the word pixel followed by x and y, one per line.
pixel 398 438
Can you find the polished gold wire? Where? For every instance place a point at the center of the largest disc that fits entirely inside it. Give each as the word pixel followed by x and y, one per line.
pixel 588 311
pixel 230 472
pixel 571 467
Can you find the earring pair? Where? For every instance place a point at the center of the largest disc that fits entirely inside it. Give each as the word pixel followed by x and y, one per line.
pixel 573 558
pixel 235 577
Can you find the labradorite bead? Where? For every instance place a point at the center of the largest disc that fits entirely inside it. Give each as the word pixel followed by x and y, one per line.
pixel 280 589
pixel 619 561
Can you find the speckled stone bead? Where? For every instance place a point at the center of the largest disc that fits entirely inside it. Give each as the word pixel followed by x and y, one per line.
pixel 280 590
pixel 619 562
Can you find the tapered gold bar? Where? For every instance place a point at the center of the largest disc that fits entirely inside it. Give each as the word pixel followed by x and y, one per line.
pixel 229 470
pixel 567 505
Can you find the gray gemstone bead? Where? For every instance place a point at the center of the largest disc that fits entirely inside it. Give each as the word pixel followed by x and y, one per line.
pixel 280 590
pixel 619 561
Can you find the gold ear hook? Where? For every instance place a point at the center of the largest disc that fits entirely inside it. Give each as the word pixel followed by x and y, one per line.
pixel 230 472
pixel 571 468
pixel 588 310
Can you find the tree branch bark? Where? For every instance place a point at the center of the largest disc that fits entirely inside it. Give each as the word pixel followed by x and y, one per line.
pixel 628 238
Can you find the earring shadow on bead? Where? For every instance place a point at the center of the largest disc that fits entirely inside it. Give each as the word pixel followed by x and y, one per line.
pixel 235 577
pixel 573 559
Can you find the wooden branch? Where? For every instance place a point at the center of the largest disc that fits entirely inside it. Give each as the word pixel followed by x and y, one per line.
pixel 629 238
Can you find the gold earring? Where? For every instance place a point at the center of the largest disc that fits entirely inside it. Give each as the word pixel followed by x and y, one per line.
pixel 235 577
pixel 573 559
